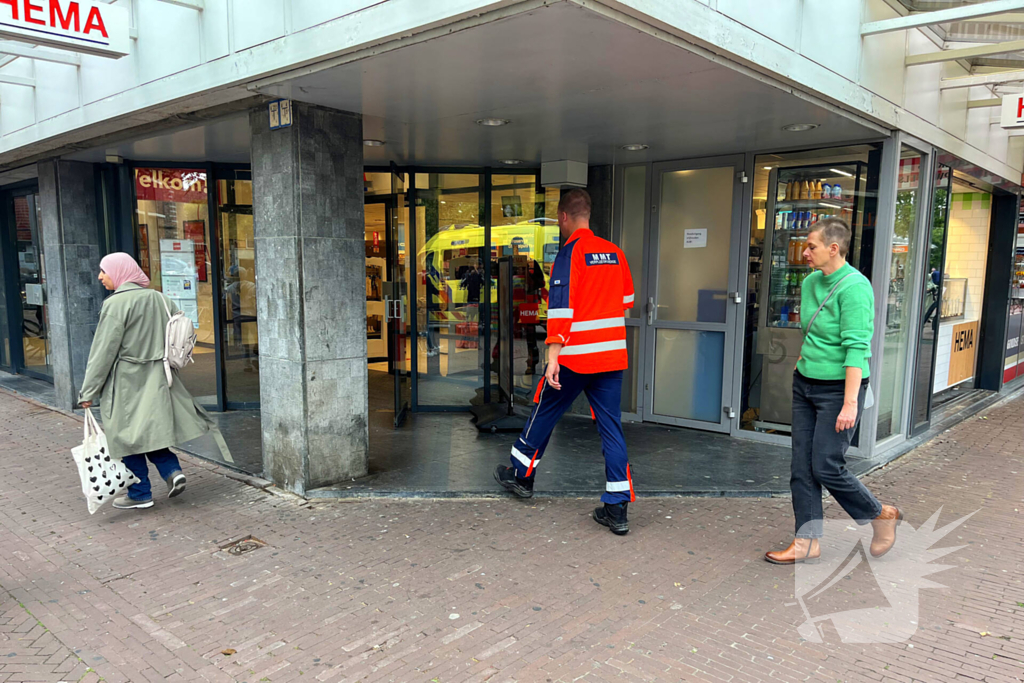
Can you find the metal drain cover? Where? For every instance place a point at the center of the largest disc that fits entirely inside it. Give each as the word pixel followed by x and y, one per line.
pixel 243 545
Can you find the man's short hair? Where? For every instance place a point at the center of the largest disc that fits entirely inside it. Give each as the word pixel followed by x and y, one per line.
pixel 834 231
pixel 576 203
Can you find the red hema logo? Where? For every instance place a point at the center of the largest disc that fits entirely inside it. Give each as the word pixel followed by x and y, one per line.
pixel 63 15
pixel 1020 107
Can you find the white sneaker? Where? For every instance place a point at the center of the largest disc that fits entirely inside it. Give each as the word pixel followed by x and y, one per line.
pixel 126 503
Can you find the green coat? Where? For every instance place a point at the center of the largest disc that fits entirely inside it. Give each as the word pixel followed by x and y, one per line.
pixel 126 373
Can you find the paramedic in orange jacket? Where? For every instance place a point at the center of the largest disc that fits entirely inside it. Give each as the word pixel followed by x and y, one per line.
pixel 590 288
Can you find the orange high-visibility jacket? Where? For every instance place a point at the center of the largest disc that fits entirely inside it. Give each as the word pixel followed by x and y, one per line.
pixel 590 288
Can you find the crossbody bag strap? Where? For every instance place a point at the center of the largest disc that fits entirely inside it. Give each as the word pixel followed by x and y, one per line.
pixel 824 301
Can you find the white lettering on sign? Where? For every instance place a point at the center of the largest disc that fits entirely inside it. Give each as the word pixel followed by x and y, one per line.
pixel 1012 113
pixel 695 239
pixel 79 25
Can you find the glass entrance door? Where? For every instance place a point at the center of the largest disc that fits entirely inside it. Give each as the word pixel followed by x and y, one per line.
pixel 931 303
pixel 692 295
pixel 399 308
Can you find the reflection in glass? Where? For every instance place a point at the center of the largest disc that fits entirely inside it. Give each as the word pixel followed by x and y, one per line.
pixel 238 283
pixel 450 269
pixel 931 301
pixel 898 311
pixel 630 377
pixel 172 232
pixel 522 230
pixel 631 241
pixel 35 338
pixel 688 374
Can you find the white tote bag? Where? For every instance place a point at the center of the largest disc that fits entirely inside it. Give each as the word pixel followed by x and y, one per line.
pixel 103 477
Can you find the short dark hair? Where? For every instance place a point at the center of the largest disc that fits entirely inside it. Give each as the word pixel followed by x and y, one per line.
pixel 576 203
pixel 834 231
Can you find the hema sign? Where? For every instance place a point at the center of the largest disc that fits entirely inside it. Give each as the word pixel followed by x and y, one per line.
pixel 1012 114
pixel 77 25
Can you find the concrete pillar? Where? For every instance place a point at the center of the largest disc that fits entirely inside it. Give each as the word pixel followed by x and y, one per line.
pixel 311 301
pixel 72 253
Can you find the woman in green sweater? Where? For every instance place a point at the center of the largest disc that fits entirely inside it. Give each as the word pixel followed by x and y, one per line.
pixel 829 387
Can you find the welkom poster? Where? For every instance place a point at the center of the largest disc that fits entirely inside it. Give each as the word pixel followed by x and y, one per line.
pixel 178 276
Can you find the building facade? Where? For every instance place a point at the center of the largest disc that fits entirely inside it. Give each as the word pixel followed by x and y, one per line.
pixel 355 202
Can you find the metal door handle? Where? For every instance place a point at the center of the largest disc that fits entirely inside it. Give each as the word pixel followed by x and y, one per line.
pixel 650 310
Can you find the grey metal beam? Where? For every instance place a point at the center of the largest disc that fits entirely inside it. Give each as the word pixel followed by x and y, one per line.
pixel 17 80
pixel 981 104
pixel 16 49
pixel 984 79
pixel 965 52
pixel 943 16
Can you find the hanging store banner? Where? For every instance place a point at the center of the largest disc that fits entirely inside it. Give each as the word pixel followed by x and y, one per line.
pixel 92 28
pixel 170 184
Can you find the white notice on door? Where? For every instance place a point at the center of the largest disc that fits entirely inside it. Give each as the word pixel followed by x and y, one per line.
pixel 695 239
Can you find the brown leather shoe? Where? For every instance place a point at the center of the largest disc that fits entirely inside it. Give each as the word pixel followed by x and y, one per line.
pixel 805 550
pixel 884 526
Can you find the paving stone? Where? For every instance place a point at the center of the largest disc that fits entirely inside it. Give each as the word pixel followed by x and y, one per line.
pixel 479 590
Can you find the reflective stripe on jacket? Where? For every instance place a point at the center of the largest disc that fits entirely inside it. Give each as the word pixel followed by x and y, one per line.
pixel 590 289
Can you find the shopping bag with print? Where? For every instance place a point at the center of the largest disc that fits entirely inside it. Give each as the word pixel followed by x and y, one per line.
pixel 103 477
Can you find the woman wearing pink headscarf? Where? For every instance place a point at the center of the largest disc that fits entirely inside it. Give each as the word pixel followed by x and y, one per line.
pixel 142 415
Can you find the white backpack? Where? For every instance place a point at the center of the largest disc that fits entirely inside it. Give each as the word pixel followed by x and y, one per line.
pixel 179 342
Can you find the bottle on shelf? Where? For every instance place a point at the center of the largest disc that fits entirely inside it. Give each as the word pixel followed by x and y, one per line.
pixel 784 315
pixel 805 190
pixel 826 191
pixel 817 190
pixel 837 191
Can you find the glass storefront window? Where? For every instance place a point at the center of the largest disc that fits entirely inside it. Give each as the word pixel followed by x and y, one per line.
pixel 238 284
pixel 172 232
pixel 1014 365
pixel 896 336
pixel 962 277
pixel 35 338
pixel 450 272
pixel 792 192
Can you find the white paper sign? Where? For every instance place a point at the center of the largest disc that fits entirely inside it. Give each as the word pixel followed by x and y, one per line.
pixel 179 286
pixel 695 239
pixel 34 294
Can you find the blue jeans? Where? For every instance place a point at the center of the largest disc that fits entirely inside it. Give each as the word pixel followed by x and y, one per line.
pixel 166 464
pixel 604 391
pixel 819 458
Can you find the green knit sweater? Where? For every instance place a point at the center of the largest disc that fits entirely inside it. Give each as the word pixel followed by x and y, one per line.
pixel 841 335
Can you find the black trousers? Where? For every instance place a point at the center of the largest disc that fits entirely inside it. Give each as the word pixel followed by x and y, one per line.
pixel 819 458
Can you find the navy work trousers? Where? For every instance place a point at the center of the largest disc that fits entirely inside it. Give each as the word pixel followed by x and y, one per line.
pixel 604 391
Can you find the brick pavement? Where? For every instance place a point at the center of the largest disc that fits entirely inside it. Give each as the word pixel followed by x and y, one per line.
pixel 477 590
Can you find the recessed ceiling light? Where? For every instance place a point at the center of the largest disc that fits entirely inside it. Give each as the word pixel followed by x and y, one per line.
pixel 800 127
pixel 767 168
pixel 836 170
pixel 492 122
pixel 635 147
pixel 373 143
pixel 510 162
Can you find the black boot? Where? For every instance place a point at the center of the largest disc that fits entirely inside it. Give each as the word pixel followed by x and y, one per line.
pixel 506 476
pixel 613 517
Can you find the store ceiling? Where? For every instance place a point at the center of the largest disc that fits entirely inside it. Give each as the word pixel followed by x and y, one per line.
pixel 574 84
